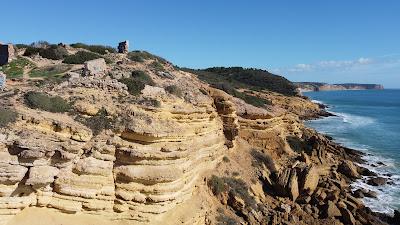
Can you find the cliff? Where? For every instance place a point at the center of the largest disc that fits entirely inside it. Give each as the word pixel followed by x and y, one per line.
pixel 139 141
pixel 315 86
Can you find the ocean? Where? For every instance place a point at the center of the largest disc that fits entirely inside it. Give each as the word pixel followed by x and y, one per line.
pixel 369 121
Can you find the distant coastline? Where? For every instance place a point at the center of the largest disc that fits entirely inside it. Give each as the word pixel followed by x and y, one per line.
pixel 317 86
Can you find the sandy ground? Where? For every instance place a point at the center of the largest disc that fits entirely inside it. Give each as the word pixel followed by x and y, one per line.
pixel 44 216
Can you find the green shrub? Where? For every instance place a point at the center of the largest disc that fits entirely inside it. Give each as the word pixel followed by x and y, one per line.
pixel 217 185
pixel 137 82
pixel 134 87
pixel 15 69
pixel 254 79
pixel 49 71
pixel 29 51
pixel 141 56
pixel 142 76
pixel 225 159
pixel 157 66
pixel 7 116
pixel 37 100
pixel 249 99
pixel 99 49
pixel 233 186
pixel 150 102
pixel 21 46
pixel 54 52
pixel 82 57
pixel 263 159
pixel 175 90
pixel 99 122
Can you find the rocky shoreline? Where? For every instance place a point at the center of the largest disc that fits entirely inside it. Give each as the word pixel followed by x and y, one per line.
pixel 353 169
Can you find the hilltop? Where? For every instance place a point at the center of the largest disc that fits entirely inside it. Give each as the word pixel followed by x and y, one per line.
pixel 91 133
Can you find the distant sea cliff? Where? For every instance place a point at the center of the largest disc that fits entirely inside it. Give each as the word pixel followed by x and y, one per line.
pixel 316 86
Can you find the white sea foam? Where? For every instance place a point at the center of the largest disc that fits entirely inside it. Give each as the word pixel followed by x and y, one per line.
pixel 355 120
pixel 318 102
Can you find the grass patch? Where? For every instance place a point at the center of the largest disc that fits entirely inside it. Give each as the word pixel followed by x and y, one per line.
pixel 174 90
pixel 137 82
pixel 99 49
pixel 49 71
pixel 15 69
pixel 82 56
pixel 37 100
pixel 7 116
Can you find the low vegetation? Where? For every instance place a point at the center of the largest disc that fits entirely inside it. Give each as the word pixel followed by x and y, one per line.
pixel 157 66
pixel 253 79
pixel 150 102
pixel 38 100
pixel 99 49
pixel 137 82
pixel 49 71
pixel 252 100
pixel 174 90
pixel 260 159
pixel 54 52
pixel 233 186
pixel 7 116
pixel 141 56
pixel 82 57
pixel 15 69
pixel 101 121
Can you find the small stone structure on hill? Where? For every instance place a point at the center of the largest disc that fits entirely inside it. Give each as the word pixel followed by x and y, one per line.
pixel 7 53
pixel 123 47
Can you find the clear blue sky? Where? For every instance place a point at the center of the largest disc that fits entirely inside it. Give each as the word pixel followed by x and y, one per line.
pixel 313 40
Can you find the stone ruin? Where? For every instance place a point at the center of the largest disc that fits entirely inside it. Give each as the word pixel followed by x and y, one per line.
pixel 96 67
pixel 123 47
pixel 2 81
pixel 7 53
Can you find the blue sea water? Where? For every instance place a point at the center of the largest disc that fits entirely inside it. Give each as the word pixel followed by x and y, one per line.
pixel 368 121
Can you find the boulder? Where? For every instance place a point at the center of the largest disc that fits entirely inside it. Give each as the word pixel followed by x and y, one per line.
pixel 95 67
pixel 40 175
pixel 310 178
pixel 330 210
pixel 286 184
pixel 347 217
pixel 349 169
pixel 377 181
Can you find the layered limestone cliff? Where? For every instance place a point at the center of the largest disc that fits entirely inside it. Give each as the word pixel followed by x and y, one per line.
pixel 148 161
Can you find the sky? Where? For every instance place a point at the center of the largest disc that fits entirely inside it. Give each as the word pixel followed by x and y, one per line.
pixel 327 41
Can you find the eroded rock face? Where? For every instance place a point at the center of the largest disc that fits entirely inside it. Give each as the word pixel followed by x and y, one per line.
pixel 148 163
